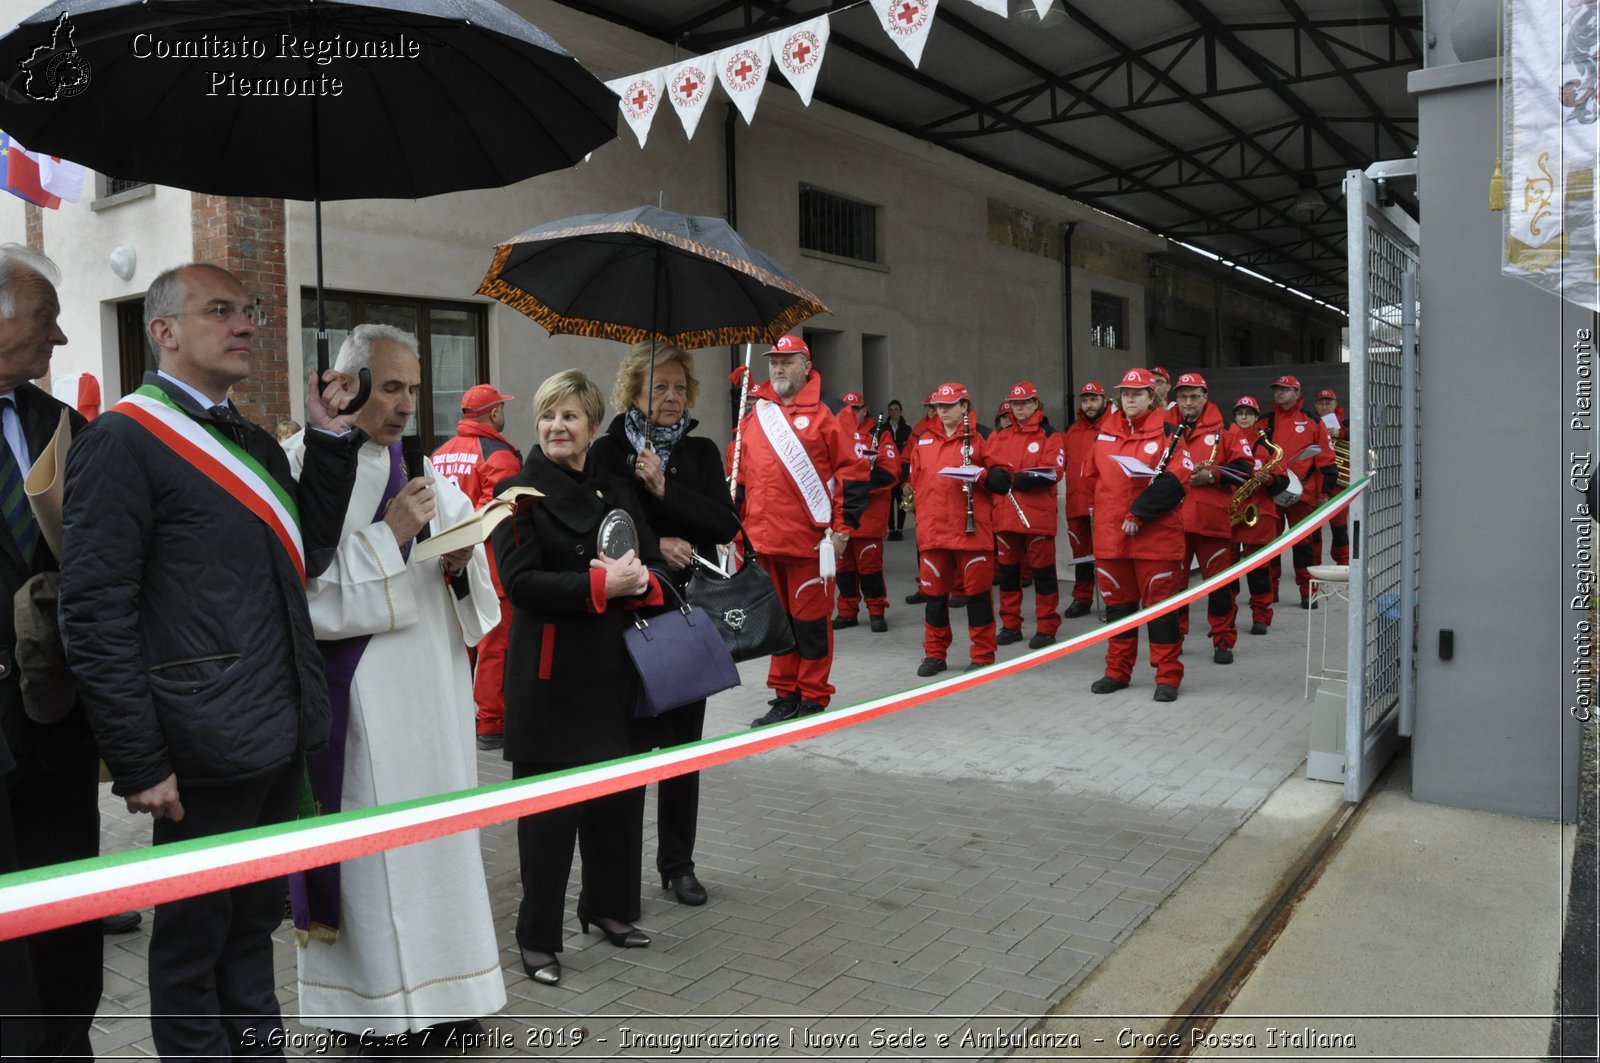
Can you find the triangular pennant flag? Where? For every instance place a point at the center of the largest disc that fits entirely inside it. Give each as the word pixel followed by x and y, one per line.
pixel 742 69
pixel 907 23
pixel 998 7
pixel 1043 7
pixel 640 96
pixel 61 178
pixel 797 51
pixel 688 87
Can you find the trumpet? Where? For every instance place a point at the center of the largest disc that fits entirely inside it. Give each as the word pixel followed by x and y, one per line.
pixel 1241 510
pixel 1341 460
pixel 908 499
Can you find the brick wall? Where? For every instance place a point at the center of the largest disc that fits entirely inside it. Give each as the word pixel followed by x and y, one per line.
pixel 245 235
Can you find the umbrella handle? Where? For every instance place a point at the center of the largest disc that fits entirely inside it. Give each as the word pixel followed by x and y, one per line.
pixel 363 391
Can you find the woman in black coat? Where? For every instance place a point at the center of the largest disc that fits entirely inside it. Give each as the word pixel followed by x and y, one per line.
pixel 570 684
pixel 686 501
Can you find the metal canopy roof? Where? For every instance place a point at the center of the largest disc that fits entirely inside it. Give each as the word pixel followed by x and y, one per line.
pixel 1205 121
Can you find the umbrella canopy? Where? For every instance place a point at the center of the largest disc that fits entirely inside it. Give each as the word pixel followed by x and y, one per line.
pixel 648 274
pixel 301 99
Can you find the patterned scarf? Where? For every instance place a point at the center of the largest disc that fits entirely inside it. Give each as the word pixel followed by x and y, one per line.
pixel 662 438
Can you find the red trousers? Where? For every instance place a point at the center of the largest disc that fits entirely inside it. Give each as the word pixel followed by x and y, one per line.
pixel 1259 580
pixel 1127 584
pixel 1214 555
pixel 1080 543
pixel 808 599
pixel 1011 549
pixel 489 675
pixel 861 573
pixel 969 572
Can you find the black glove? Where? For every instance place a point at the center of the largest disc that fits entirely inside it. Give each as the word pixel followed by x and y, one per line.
pixel 997 481
pixel 1032 481
pixel 1330 481
pixel 1278 485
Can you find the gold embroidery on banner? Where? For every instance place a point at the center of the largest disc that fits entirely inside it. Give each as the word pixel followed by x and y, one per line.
pixel 1537 192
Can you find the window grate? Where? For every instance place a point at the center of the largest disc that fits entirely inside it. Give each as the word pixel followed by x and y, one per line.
pixel 1108 321
pixel 122 184
pixel 834 225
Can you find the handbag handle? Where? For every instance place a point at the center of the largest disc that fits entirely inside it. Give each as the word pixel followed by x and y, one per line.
pixel 643 623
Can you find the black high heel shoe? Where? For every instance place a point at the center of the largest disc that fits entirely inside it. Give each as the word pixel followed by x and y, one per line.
pixel 545 972
pixel 631 938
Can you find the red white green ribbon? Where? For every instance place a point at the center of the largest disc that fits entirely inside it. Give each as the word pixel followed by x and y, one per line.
pixel 48 897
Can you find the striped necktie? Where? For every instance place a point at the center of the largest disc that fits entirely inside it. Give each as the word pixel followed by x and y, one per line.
pixel 13 501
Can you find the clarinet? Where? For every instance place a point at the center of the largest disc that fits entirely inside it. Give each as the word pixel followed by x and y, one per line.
pixel 1183 430
pixel 966 461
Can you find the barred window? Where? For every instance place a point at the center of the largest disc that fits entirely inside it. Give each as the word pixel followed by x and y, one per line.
pixel 121 184
pixel 1108 320
pixel 834 225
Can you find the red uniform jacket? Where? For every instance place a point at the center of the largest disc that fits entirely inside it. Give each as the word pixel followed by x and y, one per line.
pixel 941 503
pixel 774 512
pixel 1155 503
pixel 476 460
pixel 885 464
pixel 1033 445
pixel 1294 431
pixel 1205 507
pixel 1079 446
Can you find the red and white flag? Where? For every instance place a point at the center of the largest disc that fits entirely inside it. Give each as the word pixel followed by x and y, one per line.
pixel 797 51
pixel 688 87
pixel 742 69
pixel 60 177
pixel 640 97
pixel 907 23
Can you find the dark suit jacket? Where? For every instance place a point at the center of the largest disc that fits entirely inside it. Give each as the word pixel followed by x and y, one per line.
pixel 37 748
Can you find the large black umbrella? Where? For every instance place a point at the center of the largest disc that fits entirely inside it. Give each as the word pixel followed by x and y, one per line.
pixel 648 274
pixel 301 99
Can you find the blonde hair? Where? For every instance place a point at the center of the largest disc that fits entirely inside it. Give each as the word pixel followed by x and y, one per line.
pixel 632 374
pixel 569 384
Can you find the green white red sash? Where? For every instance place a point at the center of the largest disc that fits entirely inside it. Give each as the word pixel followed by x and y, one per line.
pixel 227 464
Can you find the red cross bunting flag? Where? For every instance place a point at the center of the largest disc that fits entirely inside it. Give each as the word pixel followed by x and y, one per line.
pixel 742 69
pixel 997 7
pixel 797 51
pixel 688 86
pixel 907 23
pixel 640 97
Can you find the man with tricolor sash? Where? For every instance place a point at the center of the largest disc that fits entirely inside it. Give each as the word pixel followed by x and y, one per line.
pixel 187 543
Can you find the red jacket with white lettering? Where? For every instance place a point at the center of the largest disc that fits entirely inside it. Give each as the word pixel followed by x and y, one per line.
pixel 1205 507
pixel 1294 431
pixel 1156 503
pixel 941 503
pixel 1079 446
pixel 476 460
pixel 1034 445
pixel 885 474
pixel 774 511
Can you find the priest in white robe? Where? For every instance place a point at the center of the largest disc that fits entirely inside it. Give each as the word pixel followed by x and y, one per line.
pixel 403 940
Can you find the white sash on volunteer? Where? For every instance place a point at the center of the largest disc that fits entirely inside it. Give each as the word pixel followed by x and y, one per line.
pixel 792 454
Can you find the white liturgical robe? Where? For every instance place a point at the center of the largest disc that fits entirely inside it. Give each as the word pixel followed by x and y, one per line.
pixel 416 942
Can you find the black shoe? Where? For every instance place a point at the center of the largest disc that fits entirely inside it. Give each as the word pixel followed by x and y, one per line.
pixel 542 967
pixel 1076 609
pixel 930 666
pixel 125 923
pixel 1107 685
pixel 842 622
pixel 630 938
pixel 879 624
pixel 975 665
pixel 1305 601
pixel 1316 603
pixel 1040 640
pixel 916 599
pixel 958 601
pixel 809 708
pixel 785 708
pixel 686 888
pixel 491 741
pixel 1222 656
pixel 896 536
pixel 1258 629
pixel 1165 693
pixel 1007 635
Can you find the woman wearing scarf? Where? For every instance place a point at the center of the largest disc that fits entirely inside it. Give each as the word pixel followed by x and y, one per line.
pixel 686 501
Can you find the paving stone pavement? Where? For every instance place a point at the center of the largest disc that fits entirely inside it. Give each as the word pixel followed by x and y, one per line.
pixel 960 866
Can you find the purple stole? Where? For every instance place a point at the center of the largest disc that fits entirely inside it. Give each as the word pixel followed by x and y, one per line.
pixel 314 894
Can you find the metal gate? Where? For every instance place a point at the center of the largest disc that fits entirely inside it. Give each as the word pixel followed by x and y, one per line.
pixel 1385 417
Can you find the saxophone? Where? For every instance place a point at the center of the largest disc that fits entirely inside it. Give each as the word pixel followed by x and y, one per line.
pixel 1241 510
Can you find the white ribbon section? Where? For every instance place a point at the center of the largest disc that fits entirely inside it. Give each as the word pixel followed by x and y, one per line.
pixel 792 453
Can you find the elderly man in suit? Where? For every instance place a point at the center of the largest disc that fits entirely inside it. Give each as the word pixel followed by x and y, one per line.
pixel 51 788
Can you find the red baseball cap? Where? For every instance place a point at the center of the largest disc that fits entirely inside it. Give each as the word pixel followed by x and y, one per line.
pixel 1005 406
pixel 483 398
pixel 1092 388
pixel 946 394
pixel 1023 390
pixel 1328 393
pixel 790 345
pixel 1287 381
pixel 1246 400
pixel 1157 370
pixel 1138 378
pixel 853 398
pixel 1193 380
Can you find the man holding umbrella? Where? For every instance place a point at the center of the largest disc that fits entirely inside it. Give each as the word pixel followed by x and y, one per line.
pixel 792 449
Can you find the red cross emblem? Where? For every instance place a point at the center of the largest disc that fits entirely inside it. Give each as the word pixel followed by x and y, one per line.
pixel 688 87
pixel 908 13
pixel 799 54
pixel 640 100
pixel 744 70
